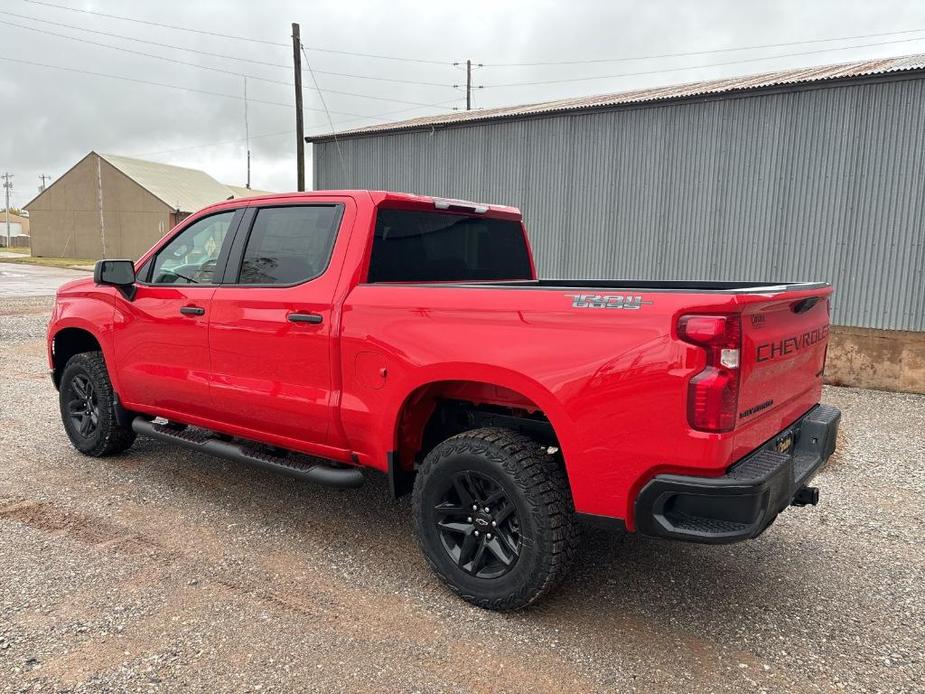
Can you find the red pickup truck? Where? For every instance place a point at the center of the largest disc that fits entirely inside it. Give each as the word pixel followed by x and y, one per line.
pixel 329 335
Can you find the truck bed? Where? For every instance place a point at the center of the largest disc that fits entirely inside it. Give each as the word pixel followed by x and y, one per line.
pixel 690 286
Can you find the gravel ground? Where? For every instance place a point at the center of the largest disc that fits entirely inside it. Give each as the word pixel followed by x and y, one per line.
pixel 165 570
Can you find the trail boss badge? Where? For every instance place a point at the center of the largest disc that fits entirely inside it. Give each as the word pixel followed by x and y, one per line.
pixel 628 301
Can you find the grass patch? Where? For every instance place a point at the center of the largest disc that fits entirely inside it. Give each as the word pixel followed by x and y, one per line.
pixel 49 262
pixel 15 249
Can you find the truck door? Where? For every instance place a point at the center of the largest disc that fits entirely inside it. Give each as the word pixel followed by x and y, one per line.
pixel 161 335
pixel 272 323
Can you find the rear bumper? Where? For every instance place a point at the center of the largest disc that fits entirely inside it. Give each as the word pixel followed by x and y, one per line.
pixel 746 500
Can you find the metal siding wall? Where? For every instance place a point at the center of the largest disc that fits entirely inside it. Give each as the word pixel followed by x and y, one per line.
pixel 799 185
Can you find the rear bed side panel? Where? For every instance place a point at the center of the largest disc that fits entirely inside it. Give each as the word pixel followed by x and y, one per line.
pixel 612 381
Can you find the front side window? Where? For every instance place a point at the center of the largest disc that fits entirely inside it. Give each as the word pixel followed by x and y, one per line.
pixel 413 246
pixel 191 255
pixel 288 245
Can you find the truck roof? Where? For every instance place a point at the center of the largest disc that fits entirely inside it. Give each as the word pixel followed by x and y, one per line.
pixel 380 196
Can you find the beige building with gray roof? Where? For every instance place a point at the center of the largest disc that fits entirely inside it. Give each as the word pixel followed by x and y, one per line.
pixel 109 206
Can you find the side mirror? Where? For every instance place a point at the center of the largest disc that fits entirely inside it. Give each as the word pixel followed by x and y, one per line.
pixel 116 273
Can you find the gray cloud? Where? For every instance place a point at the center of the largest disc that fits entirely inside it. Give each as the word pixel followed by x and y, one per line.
pixel 52 117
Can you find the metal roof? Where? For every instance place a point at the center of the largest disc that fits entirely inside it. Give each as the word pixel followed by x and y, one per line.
pixel 187 190
pixel 184 189
pixel 639 96
pixel 242 192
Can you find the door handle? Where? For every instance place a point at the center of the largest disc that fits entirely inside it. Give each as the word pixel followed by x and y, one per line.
pixel 192 310
pixel 314 318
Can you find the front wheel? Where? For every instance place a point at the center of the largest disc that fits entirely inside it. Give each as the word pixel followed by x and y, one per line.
pixel 88 407
pixel 494 517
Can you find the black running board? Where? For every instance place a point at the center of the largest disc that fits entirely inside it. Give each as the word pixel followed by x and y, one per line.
pixel 302 467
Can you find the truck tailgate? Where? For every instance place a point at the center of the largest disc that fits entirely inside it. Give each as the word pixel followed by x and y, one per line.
pixel 784 342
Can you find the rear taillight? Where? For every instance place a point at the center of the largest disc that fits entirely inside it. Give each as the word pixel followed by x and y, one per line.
pixel 713 394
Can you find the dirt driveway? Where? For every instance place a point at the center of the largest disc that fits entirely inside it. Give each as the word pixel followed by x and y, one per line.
pixel 165 570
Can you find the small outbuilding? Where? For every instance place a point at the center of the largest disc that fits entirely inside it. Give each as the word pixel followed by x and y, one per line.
pixel 108 206
pixel 17 226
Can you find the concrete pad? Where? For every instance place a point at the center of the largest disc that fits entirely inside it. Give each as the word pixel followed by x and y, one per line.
pixel 33 280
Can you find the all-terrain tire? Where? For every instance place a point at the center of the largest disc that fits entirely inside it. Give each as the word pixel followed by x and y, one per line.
pixel 532 480
pixel 85 380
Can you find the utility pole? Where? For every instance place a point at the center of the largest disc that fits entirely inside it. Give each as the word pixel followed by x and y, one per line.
pixel 469 85
pixel 247 137
pixel 43 177
pixel 299 134
pixel 8 186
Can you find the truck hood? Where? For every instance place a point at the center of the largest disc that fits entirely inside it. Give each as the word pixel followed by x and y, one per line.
pixel 80 284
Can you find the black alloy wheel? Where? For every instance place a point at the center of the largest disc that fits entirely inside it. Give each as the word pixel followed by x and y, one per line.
pixel 494 517
pixel 82 406
pixel 88 407
pixel 478 525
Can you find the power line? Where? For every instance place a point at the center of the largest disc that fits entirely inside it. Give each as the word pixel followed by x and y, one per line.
pixel 438 62
pixel 197 65
pixel 46 32
pixel 140 81
pixel 701 52
pixel 281 133
pixel 235 37
pixel 147 41
pixel 355 116
pixel 330 120
pixel 423 61
pixel 445 62
pixel 167 86
pixel 383 79
pixel 369 96
pixel 157 24
pixel 696 67
pixel 211 144
pixel 201 52
pixel 380 116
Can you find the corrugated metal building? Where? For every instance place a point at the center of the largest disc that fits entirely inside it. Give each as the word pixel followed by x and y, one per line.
pixel 108 206
pixel 800 175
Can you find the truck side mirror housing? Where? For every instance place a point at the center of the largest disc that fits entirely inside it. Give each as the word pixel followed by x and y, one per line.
pixel 116 273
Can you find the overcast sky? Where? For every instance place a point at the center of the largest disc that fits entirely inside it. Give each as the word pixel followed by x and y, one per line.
pixel 50 118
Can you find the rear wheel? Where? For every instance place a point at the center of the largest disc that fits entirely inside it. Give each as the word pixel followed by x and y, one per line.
pixel 494 517
pixel 88 407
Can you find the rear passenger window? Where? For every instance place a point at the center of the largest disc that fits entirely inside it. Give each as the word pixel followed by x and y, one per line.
pixel 412 246
pixel 288 245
